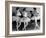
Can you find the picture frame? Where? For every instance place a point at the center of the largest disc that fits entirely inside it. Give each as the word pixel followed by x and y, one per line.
pixel 8 18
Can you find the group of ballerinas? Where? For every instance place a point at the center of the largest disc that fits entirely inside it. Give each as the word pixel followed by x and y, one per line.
pixel 25 17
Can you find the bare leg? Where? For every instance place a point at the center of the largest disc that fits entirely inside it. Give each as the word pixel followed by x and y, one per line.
pixel 37 26
pixel 19 24
pixel 25 25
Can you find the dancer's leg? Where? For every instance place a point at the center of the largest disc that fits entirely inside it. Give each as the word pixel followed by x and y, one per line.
pixel 36 24
pixel 25 25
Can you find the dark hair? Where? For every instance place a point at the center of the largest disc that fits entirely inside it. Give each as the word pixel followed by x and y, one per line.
pixel 34 8
pixel 17 8
pixel 30 11
pixel 24 9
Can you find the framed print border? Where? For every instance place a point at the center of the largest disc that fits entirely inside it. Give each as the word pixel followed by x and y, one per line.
pixel 7 3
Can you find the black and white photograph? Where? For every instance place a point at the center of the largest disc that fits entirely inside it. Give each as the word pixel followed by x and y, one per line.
pixel 25 18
